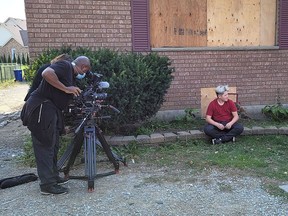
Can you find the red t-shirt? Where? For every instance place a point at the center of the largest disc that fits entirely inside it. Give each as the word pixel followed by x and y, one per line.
pixel 221 113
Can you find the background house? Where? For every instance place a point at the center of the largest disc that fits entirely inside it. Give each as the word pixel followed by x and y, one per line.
pixel 242 43
pixel 14 38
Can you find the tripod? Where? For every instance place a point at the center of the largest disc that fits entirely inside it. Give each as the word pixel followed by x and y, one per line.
pixel 89 134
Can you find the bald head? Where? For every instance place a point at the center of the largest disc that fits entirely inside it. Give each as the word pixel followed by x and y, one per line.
pixel 82 61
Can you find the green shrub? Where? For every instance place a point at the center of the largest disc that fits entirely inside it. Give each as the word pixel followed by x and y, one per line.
pixel 138 85
pixel 277 112
pixel 43 58
pixel 138 82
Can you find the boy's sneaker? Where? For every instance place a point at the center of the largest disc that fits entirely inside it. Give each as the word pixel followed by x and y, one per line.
pixel 233 139
pixel 53 189
pixel 61 181
pixel 216 141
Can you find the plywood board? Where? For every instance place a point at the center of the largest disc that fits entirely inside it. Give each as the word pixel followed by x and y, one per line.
pixel 178 23
pixel 208 94
pixel 268 22
pixel 233 22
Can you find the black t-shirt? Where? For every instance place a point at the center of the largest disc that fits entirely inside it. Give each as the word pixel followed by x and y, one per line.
pixel 37 80
pixel 64 72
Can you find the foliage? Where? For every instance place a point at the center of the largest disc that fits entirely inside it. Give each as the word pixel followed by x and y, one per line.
pixel 187 122
pixel 28 60
pixel 18 59
pixel 23 60
pixel 4 59
pixel 276 111
pixel 28 158
pixel 14 60
pixel 7 83
pixel 130 151
pixel 138 83
pixel 259 156
pixel 43 58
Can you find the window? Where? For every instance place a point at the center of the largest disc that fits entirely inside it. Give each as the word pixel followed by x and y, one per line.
pixel 209 23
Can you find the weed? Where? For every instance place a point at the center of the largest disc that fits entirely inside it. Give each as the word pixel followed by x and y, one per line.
pixel 260 156
pixel 7 83
pixel 276 111
pixel 130 151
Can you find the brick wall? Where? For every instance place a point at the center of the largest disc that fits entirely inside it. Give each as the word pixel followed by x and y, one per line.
pixel 54 23
pixel 256 74
pixel 20 50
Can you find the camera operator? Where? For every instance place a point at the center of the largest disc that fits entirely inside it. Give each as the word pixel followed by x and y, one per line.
pixel 42 114
pixel 38 76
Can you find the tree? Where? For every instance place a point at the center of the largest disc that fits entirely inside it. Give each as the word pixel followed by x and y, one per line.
pixel 28 61
pixel 9 59
pixel 4 59
pixel 18 59
pixel 14 60
pixel 23 59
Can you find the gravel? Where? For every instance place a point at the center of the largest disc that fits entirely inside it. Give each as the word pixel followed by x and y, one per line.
pixel 143 190
pixel 139 189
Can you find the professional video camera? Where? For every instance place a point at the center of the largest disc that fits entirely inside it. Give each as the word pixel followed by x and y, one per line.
pixel 86 108
pixel 91 96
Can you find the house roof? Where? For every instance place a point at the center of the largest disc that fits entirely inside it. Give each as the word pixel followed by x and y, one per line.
pixel 14 28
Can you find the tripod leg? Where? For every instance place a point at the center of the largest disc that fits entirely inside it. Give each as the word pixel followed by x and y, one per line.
pixel 90 156
pixel 71 153
pixel 107 150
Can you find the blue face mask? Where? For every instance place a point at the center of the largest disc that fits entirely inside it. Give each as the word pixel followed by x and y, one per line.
pixel 80 76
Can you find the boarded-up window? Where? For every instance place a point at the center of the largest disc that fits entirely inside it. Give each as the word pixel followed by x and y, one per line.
pixel 196 23
pixel 178 23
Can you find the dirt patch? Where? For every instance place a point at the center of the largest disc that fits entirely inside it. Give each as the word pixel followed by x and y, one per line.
pixel 13 135
pixel 12 132
pixel 12 98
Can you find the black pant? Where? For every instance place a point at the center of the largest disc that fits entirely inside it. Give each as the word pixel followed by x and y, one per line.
pixel 46 144
pixel 225 135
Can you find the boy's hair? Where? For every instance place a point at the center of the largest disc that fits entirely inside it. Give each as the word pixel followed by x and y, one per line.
pixel 221 89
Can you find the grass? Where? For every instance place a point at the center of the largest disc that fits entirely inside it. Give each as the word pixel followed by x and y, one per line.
pixel 264 157
pixel 198 123
pixel 7 83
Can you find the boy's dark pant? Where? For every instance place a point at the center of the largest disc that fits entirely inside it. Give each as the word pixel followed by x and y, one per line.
pixel 225 135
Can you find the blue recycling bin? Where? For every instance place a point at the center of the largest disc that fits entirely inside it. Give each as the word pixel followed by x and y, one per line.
pixel 18 75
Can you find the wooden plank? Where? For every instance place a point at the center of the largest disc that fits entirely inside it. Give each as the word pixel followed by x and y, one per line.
pixel 208 94
pixel 233 22
pixel 175 23
pixel 268 22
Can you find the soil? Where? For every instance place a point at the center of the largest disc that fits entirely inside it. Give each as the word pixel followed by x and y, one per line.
pixel 12 133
